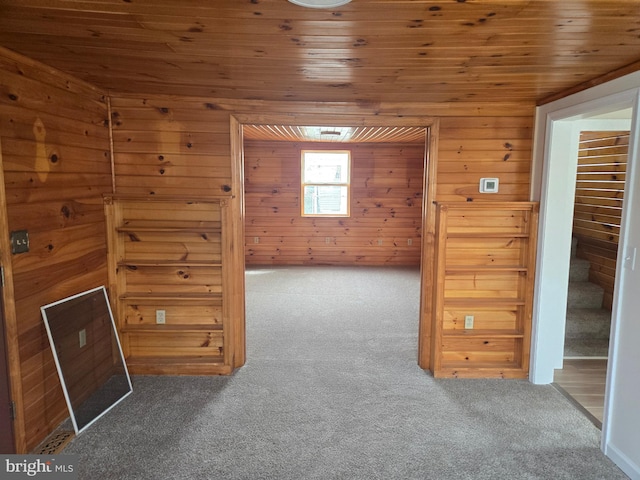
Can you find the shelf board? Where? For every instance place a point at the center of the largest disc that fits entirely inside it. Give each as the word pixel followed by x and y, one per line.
pixel 163 327
pixel 174 365
pixel 484 268
pixel 480 370
pixel 133 229
pixel 171 296
pixel 483 333
pixel 487 235
pixel 483 302
pixel 181 360
pixel 167 263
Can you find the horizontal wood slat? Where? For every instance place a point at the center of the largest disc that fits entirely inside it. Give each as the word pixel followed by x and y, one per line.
pixel 56 166
pixel 601 177
pixel 484 289
pixel 368 51
pixel 167 255
pixel 386 207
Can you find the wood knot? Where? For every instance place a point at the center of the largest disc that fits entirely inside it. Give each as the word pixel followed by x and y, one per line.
pixel 54 158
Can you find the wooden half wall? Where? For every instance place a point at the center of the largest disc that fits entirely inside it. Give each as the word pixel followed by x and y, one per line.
pixel 56 166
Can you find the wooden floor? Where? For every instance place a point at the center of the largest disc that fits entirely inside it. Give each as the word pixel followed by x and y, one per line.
pixel 583 381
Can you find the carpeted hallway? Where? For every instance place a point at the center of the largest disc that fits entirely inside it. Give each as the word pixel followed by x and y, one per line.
pixel 331 390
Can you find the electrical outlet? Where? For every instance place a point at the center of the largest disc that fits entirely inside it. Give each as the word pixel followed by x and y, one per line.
pixel 409 241
pixel 468 322
pixel 379 241
pixel 82 336
pixel 327 240
pixel 256 239
pixel 161 316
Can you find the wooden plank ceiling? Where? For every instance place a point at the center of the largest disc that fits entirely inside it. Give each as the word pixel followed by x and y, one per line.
pixel 289 133
pixel 367 51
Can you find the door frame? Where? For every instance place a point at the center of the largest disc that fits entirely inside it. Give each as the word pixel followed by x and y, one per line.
pixel 431 126
pixel 10 322
pixel 556 134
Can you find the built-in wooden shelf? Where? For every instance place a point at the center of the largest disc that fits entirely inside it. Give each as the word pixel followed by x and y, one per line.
pixel 468 284
pixel 150 241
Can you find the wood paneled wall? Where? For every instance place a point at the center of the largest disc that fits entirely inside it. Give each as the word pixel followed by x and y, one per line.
pixel 491 145
pixel 384 226
pixel 55 141
pixel 171 146
pixel 602 162
pixel 56 162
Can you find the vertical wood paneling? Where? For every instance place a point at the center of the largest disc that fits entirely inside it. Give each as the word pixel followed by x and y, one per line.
pixel 384 226
pixel 56 168
pixel 602 161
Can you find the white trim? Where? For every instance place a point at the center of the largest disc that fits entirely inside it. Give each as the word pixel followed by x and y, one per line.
pixel 43 311
pixel 625 464
pixel 621 427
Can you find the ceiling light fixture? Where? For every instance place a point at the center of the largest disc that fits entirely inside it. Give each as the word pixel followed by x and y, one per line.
pixel 320 3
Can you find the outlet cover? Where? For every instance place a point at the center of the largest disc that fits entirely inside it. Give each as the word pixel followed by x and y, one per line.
pixel 82 336
pixel 468 322
pixel 161 316
pixel 19 241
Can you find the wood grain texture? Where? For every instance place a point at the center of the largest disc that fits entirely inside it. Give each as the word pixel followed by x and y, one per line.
pixel 494 287
pixel 602 161
pixel 419 51
pixel 384 226
pixel 169 254
pixel 584 380
pixel 56 168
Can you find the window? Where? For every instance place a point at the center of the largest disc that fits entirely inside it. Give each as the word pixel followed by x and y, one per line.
pixel 325 182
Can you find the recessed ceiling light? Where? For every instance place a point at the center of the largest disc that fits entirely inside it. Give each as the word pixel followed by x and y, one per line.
pixel 320 3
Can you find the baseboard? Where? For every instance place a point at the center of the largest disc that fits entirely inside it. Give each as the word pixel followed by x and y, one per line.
pixel 623 462
pixel 579 357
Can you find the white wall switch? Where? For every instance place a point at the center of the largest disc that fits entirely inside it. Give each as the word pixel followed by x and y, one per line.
pixel 161 316
pixel 82 336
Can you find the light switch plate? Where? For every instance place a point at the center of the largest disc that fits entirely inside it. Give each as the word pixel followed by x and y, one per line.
pixel 468 322
pixel 20 241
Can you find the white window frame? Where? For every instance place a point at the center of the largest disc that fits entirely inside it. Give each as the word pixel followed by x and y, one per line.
pixel 304 184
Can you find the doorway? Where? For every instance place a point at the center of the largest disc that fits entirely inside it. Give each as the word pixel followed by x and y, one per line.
pixel 601 169
pixel 426 223
pixel 557 131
